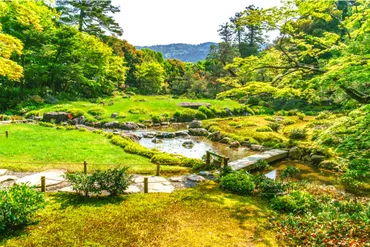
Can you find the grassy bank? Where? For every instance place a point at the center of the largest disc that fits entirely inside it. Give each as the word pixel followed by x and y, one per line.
pixel 134 109
pixel 203 216
pixel 35 148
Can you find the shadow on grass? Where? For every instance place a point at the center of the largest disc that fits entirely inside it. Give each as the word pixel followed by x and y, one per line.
pixel 74 200
pixel 8 234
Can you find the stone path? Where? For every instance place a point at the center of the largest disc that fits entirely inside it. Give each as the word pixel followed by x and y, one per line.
pixel 248 162
pixel 55 181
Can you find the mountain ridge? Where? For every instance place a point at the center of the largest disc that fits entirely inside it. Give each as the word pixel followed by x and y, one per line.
pixel 182 51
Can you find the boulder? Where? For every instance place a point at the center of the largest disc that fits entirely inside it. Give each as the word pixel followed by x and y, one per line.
pixel 234 144
pixel 156 141
pixel 165 123
pixel 295 153
pixel 165 135
pixel 198 132
pixel 57 116
pixel 79 120
pixel 149 135
pixel 114 115
pixel 195 178
pixel 229 113
pixel 259 148
pixel 111 125
pixel 279 119
pixel 226 140
pixel 195 124
pixel 193 105
pixel 245 144
pixel 188 144
pixel 129 126
pixel 141 126
pixel 317 159
pixel 215 136
pixel 182 133
pixel 130 136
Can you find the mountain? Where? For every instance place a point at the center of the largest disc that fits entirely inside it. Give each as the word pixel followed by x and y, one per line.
pixel 183 52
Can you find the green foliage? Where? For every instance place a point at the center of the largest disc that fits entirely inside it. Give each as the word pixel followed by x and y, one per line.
pixel 18 205
pixel 207 112
pixel 264 129
pixel 268 188
pixel 324 115
pixel 274 126
pixel 260 165
pixel 189 115
pixel 137 111
pixel 46 124
pixel 298 134
pixel 82 183
pixel 296 202
pixel 150 77
pixel 97 111
pixel 225 170
pixel 166 159
pixel 238 182
pixel 287 122
pixel 289 172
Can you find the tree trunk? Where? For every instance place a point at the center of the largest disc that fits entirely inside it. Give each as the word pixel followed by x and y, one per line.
pixel 22 81
pixel 356 95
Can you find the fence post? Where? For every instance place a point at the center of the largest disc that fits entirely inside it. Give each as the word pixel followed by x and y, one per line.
pixel 208 160
pixel 2 117
pixel 85 167
pixel 146 185
pixel 158 169
pixel 7 134
pixel 43 184
pixel 226 161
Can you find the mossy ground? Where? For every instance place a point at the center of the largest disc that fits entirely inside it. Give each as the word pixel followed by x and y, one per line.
pixel 203 216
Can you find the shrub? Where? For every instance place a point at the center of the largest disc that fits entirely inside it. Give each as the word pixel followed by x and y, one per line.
pixel 186 115
pixel 301 115
pixel 207 111
pixel 135 148
pixel 82 129
pixel 274 126
pixel 82 183
pixel 33 113
pixel 200 115
pixel 115 180
pixel 287 122
pixel 121 115
pixel 97 111
pixel 137 111
pixel 289 172
pixel 18 204
pixel 60 128
pixel 196 164
pixel 295 202
pixel 70 128
pixel 238 182
pixel 166 159
pixel 76 112
pixel 324 115
pixel 267 187
pixel 225 170
pixel 46 124
pixel 156 118
pixel 264 129
pixel 298 134
pixel 261 164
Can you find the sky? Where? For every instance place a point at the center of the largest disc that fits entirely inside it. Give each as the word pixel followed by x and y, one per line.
pixel 161 22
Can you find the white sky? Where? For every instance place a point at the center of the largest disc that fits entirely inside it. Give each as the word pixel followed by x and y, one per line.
pixel 155 22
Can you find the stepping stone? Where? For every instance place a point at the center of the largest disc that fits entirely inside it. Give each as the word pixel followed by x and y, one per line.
pixel 177 179
pixel 3 171
pixel 152 179
pixel 205 173
pixel 68 189
pixel 132 189
pixel 160 188
pixel 195 178
pixel 7 178
pixel 52 177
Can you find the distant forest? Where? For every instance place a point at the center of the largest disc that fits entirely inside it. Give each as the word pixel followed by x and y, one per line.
pixel 182 52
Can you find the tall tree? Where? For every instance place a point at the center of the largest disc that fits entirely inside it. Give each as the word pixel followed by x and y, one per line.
pixel 226 32
pixel 91 16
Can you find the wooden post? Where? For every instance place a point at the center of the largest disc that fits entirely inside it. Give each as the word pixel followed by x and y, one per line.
pixel 43 184
pixel 85 167
pixel 146 188
pixel 226 161
pixel 158 169
pixel 208 160
pixel 7 134
pixel 2 117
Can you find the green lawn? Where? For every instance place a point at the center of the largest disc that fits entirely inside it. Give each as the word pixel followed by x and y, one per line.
pixel 29 145
pixel 146 104
pixel 204 216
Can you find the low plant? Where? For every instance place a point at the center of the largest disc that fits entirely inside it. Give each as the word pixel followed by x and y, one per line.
pixel 260 165
pixel 97 111
pixel 287 122
pixel 274 126
pixel 268 188
pixel 115 181
pixel 298 134
pixel 289 172
pixel 166 159
pixel 18 205
pixel 137 111
pixel 264 129
pixel 46 124
pixel 238 182
pixel 296 202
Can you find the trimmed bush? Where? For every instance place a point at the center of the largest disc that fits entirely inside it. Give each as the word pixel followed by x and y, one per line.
pixel 207 111
pixel 287 122
pixel 97 111
pixel 18 205
pixel 274 126
pixel 135 148
pixel 115 180
pixel 298 134
pixel 296 202
pixel 46 124
pixel 267 187
pixel 238 182
pixel 166 159
pixel 264 129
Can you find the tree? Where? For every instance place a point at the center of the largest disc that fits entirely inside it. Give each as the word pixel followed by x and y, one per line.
pixel 150 77
pixel 226 32
pixel 91 16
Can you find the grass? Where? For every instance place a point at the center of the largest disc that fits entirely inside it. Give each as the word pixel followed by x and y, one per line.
pixel 203 216
pixel 137 108
pixel 36 148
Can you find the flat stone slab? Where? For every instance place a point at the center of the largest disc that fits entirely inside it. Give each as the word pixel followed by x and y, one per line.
pixel 248 162
pixel 52 177
pixel 3 171
pixel 152 179
pixel 160 188
pixel 7 178
pixel 195 178
pixel 193 105
pixel 132 189
pixel 177 179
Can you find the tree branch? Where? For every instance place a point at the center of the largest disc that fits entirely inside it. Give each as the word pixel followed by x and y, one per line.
pixel 356 95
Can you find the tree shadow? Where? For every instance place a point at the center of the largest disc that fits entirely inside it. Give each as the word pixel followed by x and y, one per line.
pixel 74 200
pixel 8 234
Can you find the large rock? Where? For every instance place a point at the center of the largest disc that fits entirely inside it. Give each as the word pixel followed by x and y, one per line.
pixel 57 116
pixel 130 136
pixel 229 113
pixel 114 115
pixel 259 148
pixel 193 105
pixel 195 124
pixel 165 135
pixel 215 136
pixel 295 153
pixel 111 125
pixel 226 140
pixel 234 144
pixel 182 133
pixel 195 178
pixel 198 132
pixel 79 120
pixel 188 144
pixel 149 134
pixel 129 126
pixel 317 159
